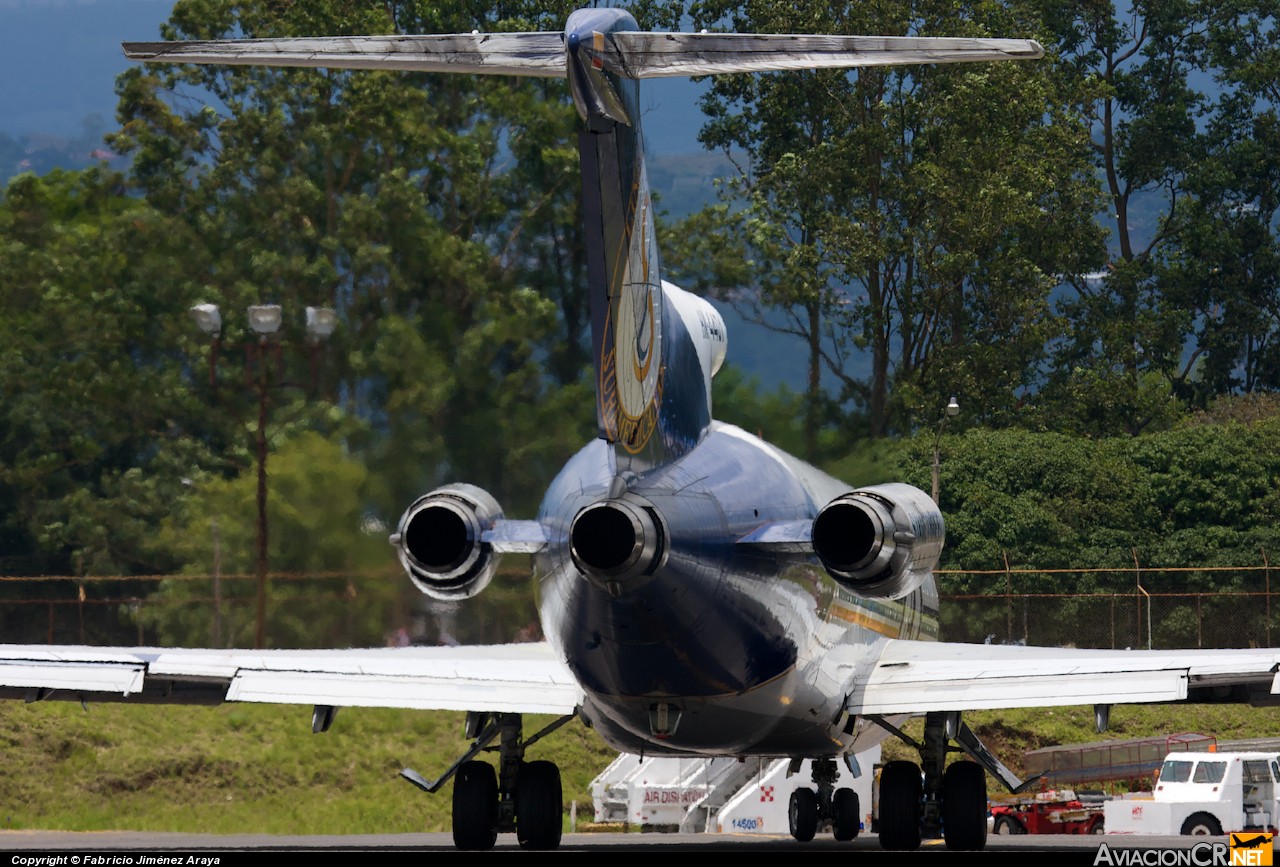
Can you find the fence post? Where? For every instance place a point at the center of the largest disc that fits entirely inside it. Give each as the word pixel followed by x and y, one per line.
pixel 1266 572
pixel 80 608
pixel 1008 597
pixel 1137 575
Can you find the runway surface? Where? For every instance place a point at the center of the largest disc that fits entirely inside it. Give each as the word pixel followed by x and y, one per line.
pixel 86 843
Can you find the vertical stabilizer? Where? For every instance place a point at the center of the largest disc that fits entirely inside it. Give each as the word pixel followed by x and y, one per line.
pixel 651 397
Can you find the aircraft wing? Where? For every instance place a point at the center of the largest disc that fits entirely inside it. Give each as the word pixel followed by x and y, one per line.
pixel 508 678
pixel 922 676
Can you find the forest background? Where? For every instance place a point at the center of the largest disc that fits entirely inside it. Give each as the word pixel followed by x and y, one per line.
pixel 1082 250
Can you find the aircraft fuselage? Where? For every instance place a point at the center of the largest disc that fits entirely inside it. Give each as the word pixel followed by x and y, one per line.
pixel 749 646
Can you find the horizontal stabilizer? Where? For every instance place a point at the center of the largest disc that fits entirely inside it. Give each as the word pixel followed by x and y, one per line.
pixel 658 55
pixel 533 54
pixel 636 54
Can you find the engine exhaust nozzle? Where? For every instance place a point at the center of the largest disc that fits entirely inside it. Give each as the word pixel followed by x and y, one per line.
pixel 617 543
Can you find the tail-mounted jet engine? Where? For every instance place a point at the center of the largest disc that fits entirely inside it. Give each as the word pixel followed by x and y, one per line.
pixel 618 543
pixel 881 541
pixel 439 542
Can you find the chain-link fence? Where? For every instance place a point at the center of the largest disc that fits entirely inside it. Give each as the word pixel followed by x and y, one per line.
pixel 1137 607
pixel 337 609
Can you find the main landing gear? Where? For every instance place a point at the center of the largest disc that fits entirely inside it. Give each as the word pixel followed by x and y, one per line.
pixel 927 801
pixel 824 805
pixel 524 797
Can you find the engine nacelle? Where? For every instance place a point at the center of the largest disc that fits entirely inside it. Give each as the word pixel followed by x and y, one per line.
pixel 881 541
pixel 438 541
pixel 705 326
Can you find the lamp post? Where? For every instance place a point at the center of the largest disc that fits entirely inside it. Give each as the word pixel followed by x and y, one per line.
pixel 951 411
pixel 264 321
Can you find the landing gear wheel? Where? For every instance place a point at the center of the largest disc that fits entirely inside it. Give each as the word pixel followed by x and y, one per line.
pixel 539 806
pixel 1201 825
pixel 475 806
pixel 844 814
pixel 1006 826
pixel 900 790
pixel 964 806
pixel 802 814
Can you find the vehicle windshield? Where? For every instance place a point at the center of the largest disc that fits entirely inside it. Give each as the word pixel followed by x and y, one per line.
pixel 1210 772
pixel 1175 772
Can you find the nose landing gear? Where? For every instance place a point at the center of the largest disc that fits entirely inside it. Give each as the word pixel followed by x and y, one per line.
pixel 809 809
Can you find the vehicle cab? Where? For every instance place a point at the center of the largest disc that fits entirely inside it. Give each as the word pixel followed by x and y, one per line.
pixel 1203 794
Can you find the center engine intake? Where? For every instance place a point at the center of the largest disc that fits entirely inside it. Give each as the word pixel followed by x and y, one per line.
pixel 618 543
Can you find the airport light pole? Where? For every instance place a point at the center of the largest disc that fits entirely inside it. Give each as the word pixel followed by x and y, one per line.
pixel 264 321
pixel 951 411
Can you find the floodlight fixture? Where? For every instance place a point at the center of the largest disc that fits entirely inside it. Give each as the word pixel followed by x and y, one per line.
pixel 208 318
pixel 321 322
pixel 265 318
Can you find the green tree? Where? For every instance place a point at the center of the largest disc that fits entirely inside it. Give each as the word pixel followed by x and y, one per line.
pixel 92 371
pixel 401 200
pixel 317 506
pixel 918 215
pixel 1126 356
pixel 95 403
pixel 1227 267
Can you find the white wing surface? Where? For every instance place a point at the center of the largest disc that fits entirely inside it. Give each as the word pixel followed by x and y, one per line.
pixel 922 676
pixel 509 678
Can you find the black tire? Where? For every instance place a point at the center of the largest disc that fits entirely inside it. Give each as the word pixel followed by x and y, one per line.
pixel 475 806
pixel 802 814
pixel 1098 827
pixel 539 806
pixel 844 814
pixel 964 807
pixel 900 791
pixel 1202 825
pixel 1006 825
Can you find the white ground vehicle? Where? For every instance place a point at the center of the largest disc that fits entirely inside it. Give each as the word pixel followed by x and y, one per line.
pixel 1206 794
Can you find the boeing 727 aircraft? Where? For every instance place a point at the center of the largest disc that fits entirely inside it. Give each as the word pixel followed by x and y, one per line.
pixel 702 593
